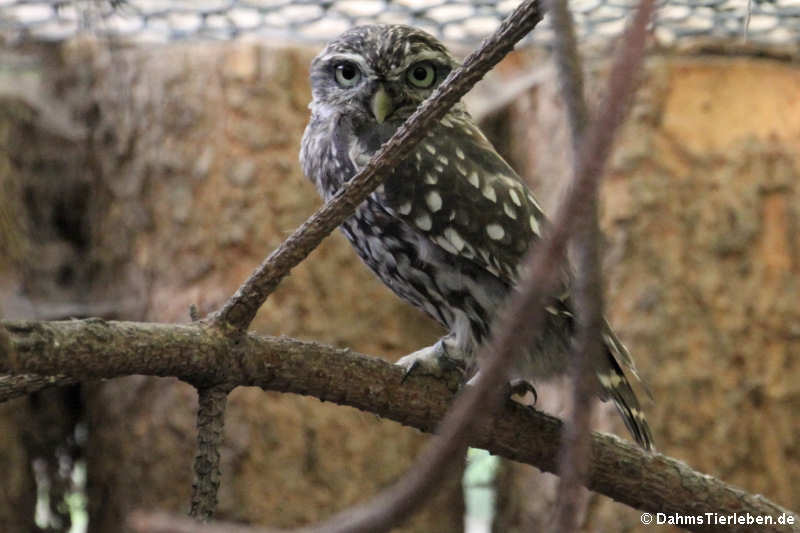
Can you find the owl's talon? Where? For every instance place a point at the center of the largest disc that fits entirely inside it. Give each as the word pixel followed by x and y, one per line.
pixel 432 360
pixel 449 364
pixel 408 369
pixel 520 390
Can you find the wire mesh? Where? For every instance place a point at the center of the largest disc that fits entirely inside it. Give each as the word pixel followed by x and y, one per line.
pixel 768 21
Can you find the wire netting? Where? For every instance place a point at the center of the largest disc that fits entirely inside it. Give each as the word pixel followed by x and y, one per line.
pixel 768 21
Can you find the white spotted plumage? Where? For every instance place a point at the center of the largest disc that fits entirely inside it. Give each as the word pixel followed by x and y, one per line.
pixel 434 201
pixel 509 211
pixel 489 193
pixel 423 221
pixel 452 222
pixel 495 232
pixel 454 238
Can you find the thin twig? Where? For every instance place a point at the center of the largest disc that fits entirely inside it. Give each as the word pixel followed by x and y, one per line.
pixel 586 292
pixel 92 349
pixel 588 287
pixel 570 73
pixel 746 34
pixel 210 423
pixel 241 308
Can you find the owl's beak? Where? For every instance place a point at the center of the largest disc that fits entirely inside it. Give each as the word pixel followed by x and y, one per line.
pixel 381 104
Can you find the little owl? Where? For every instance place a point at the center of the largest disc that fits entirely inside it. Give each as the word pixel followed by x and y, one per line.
pixel 449 226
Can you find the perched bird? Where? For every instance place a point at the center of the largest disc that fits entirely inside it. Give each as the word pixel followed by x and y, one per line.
pixel 449 226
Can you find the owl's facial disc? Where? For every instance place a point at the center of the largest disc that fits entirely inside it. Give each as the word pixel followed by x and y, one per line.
pixel 378 75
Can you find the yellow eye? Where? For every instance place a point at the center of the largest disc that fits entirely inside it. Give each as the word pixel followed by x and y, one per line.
pixel 347 74
pixel 421 74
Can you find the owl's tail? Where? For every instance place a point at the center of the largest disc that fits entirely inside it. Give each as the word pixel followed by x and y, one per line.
pixel 615 386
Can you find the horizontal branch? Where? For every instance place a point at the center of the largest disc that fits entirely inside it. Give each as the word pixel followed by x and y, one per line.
pixel 92 349
pixel 23 384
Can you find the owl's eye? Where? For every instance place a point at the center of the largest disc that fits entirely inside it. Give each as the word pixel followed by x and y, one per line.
pixel 421 74
pixel 347 74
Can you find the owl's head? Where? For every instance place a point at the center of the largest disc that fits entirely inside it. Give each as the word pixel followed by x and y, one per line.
pixel 378 73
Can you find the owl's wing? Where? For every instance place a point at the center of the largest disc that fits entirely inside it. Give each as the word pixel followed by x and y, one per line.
pixel 457 190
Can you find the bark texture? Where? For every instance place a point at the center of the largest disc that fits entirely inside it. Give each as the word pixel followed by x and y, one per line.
pixel 702 261
pixel 94 348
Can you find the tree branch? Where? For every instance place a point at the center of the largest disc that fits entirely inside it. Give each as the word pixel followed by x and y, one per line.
pixel 159 522
pixel 210 423
pixel 24 384
pixel 586 292
pixel 92 349
pixel 570 73
pixel 241 308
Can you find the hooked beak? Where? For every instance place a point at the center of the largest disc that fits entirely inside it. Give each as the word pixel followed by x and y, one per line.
pixel 381 104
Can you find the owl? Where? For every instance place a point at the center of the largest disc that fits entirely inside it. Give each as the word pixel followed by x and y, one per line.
pixel 449 226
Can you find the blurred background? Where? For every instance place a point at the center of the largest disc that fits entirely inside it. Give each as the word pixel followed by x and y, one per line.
pixel 148 161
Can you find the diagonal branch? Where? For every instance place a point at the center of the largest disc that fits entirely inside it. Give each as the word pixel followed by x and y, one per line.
pixel 586 292
pixel 570 73
pixel 587 289
pixel 93 349
pixel 241 308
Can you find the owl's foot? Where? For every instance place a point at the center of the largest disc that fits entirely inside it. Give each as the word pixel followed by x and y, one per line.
pixel 522 392
pixel 433 360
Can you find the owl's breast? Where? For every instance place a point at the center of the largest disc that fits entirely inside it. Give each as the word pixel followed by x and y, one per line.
pixel 392 251
pixel 370 136
pixel 445 286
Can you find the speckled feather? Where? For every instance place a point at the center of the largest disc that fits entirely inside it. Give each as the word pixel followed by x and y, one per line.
pixel 448 228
